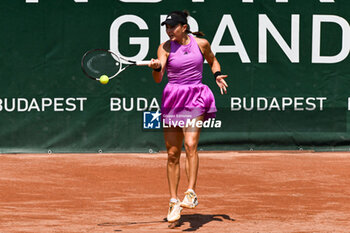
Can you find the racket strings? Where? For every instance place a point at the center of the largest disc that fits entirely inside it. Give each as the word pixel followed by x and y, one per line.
pixel 101 62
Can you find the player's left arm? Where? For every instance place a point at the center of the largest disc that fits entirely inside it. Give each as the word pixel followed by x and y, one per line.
pixel 213 62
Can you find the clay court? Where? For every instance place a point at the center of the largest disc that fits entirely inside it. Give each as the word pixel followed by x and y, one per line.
pixel 238 192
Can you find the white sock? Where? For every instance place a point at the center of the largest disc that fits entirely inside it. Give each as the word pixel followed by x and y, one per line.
pixel 174 200
pixel 191 190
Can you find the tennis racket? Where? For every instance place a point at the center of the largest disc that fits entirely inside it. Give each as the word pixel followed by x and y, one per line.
pixel 98 62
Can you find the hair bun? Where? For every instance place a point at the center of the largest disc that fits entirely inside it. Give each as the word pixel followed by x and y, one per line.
pixel 186 13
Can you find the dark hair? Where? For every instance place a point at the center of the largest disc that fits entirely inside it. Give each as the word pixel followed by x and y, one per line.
pixel 185 14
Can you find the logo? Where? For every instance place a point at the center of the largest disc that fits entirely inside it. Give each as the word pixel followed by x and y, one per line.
pixel 151 120
pixel 169 17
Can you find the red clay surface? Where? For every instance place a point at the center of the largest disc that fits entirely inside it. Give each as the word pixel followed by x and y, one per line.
pixel 238 192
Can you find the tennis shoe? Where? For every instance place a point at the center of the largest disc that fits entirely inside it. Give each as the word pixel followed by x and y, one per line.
pixel 174 212
pixel 190 201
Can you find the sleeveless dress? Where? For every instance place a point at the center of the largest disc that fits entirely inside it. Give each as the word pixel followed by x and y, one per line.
pixel 185 96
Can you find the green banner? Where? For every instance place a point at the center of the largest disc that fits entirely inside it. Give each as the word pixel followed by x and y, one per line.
pixel 287 61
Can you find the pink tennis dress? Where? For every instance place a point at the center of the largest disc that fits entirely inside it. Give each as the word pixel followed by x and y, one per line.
pixel 185 96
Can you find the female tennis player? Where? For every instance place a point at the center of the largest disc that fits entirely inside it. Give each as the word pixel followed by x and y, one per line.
pixel 184 98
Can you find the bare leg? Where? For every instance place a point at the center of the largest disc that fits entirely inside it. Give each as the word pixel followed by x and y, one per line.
pixel 192 160
pixel 187 168
pixel 173 141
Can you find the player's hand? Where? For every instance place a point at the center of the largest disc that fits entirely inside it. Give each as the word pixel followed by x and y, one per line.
pixel 220 81
pixel 154 64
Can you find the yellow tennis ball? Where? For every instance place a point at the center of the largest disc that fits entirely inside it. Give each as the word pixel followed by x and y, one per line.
pixel 104 79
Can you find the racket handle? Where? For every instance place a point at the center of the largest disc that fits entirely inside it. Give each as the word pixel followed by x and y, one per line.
pixel 142 63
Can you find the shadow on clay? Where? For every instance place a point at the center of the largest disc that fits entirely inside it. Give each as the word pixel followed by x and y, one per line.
pixel 195 221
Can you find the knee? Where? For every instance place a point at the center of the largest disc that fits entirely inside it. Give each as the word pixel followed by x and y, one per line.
pixel 191 146
pixel 173 157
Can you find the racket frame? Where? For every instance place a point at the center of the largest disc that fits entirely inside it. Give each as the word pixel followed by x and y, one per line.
pixel 120 58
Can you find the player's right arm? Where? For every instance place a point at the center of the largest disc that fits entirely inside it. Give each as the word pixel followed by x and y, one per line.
pixel 163 54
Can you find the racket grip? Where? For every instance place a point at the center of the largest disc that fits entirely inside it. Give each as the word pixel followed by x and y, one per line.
pixel 142 63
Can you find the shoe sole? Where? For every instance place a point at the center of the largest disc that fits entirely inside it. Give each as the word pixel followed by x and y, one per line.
pixel 188 206
pixel 174 220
